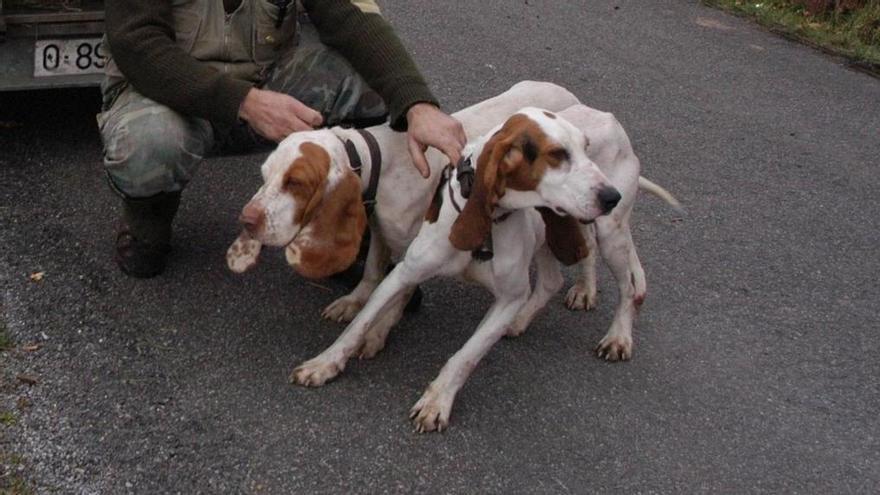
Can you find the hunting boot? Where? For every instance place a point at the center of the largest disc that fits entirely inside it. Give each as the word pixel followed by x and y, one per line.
pixel 143 240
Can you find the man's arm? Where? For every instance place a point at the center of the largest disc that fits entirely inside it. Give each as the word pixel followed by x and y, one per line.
pixel 357 30
pixel 142 41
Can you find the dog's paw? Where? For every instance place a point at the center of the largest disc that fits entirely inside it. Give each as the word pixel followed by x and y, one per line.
pixel 580 297
pixel 243 254
pixel 316 372
pixel 615 348
pixel 343 309
pixel 431 412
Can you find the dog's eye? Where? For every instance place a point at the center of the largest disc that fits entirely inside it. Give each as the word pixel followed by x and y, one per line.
pixel 292 183
pixel 559 154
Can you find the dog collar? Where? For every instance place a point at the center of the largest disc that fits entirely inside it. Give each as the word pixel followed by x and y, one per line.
pixel 357 165
pixel 465 174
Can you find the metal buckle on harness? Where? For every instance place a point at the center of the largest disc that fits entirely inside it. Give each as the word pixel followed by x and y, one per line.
pixel 465 173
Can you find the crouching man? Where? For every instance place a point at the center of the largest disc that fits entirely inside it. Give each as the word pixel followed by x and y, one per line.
pixel 188 78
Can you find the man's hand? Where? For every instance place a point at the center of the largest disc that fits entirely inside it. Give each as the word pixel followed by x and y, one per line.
pixel 429 126
pixel 276 115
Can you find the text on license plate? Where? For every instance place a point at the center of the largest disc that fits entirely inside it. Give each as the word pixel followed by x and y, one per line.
pixel 68 56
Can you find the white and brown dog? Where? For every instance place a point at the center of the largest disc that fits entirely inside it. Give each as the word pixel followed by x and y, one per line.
pixel 310 200
pixel 486 229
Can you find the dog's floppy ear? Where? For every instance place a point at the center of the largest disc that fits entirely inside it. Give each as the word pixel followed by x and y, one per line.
pixel 475 221
pixel 564 236
pixel 334 223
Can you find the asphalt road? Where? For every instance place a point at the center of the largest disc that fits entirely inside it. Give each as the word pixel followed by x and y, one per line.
pixel 755 367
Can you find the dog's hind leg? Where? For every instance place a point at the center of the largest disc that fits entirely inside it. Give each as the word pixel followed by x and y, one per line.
pixel 583 294
pixel 618 251
pixel 549 281
pixel 639 280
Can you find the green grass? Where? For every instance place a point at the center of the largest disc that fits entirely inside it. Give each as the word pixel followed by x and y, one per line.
pixel 16 485
pixel 11 483
pixel 8 418
pixel 855 34
pixel 5 341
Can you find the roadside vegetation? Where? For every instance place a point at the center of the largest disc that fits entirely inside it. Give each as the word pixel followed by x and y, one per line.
pixel 11 465
pixel 5 341
pixel 850 28
pixel 11 483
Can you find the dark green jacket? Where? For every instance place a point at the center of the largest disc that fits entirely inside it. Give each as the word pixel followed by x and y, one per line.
pixel 149 50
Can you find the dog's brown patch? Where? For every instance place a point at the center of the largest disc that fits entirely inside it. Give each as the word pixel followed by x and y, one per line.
pixel 564 236
pixel 333 220
pixel 306 179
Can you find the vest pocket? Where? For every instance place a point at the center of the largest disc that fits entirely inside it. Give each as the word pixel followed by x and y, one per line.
pixel 270 39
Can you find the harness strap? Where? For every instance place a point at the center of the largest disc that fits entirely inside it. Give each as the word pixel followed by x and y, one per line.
pixel 447 177
pixel 465 176
pixel 357 165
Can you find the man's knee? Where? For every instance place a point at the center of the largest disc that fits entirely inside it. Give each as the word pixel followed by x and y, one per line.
pixel 153 150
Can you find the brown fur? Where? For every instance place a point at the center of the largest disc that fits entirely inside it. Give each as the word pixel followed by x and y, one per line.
pixel 564 236
pixel 517 157
pixel 333 220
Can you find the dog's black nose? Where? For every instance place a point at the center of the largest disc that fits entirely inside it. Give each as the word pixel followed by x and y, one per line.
pixel 608 199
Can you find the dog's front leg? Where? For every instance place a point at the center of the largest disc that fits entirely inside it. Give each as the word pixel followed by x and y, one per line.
pixel 549 281
pixel 432 411
pixel 332 361
pixel 345 308
pixel 583 295
pixel 375 337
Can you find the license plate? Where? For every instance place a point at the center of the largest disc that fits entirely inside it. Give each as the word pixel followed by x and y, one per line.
pixel 68 57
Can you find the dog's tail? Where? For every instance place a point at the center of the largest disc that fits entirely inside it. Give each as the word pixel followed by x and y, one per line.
pixel 656 190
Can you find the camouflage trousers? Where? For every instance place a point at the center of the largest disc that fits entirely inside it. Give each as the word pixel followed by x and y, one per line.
pixel 150 149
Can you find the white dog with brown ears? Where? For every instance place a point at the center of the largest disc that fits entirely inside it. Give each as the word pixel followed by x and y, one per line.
pixel 486 228
pixel 310 201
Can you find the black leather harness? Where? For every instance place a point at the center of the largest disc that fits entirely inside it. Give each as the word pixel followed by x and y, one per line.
pixel 465 173
pixel 357 164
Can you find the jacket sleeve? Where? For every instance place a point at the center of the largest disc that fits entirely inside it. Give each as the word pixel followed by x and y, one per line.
pixel 142 42
pixel 356 29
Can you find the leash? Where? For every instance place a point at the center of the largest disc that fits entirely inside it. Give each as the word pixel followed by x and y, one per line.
pixel 357 165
